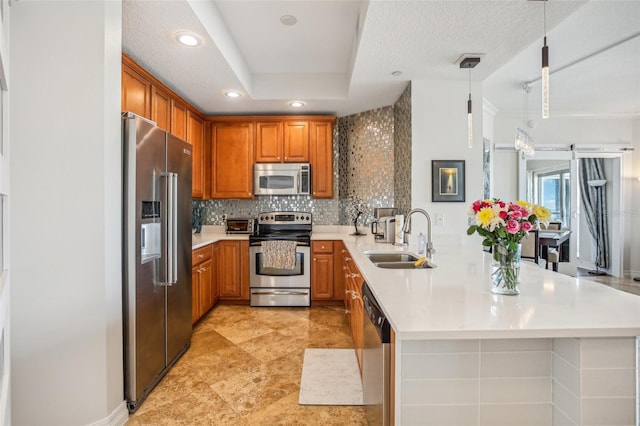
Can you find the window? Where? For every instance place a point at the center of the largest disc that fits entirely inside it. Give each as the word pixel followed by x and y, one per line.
pixel 552 191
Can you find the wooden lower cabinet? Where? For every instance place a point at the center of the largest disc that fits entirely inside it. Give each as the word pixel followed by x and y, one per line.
pixel 353 302
pixel 204 289
pixel 322 270
pixel 233 270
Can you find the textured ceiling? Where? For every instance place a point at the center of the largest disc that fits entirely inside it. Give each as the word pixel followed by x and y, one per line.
pixel 339 56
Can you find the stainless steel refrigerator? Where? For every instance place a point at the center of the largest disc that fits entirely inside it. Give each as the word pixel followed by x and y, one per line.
pixel 157 254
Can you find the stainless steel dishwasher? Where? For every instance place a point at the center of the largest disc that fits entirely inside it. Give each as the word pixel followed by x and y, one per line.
pixel 376 362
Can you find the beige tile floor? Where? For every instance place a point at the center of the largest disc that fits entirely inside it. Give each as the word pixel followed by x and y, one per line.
pixel 244 367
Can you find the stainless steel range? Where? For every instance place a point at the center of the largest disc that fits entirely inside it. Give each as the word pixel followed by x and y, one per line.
pixel 281 286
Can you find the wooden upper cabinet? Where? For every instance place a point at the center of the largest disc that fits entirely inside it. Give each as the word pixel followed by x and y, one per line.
pixel 296 142
pixel 161 108
pixel 269 138
pixel 178 119
pixel 195 136
pixel 232 159
pixel 321 159
pixel 135 93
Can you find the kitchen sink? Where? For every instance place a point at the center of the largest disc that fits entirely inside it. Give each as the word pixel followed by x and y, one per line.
pixel 391 257
pixel 403 265
pixel 396 260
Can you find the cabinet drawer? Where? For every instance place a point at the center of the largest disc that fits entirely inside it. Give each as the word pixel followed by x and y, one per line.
pixel 201 254
pixel 322 246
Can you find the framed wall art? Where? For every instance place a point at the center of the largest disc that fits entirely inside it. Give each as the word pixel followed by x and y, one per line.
pixel 447 181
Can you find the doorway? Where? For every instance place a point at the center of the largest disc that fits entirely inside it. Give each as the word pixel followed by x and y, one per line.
pixel 550 178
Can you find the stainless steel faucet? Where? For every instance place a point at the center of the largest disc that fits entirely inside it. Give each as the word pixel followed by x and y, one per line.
pixel 405 229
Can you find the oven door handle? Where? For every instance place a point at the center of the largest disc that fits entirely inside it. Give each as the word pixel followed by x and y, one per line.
pixel 280 293
pixel 259 244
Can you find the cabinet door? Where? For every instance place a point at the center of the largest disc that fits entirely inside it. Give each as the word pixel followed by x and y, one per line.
pixel 195 136
pixel 215 293
pixel 232 160
pixel 229 280
pixel 178 119
pixel 269 139
pixel 205 272
pixel 195 295
pixel 321 159
pixel 296 142
pixel 135 93
pixel 357 328
pixel 322 277
pixel 161 108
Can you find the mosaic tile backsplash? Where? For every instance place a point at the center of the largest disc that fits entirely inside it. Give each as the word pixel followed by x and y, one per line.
pixel 371 168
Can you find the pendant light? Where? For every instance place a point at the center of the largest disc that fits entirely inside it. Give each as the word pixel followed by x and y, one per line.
pixel 545 66
pixel 469 63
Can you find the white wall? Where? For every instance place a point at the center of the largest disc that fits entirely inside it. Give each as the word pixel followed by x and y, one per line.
pixel 439 132
pixel 65 213
pixel 632 206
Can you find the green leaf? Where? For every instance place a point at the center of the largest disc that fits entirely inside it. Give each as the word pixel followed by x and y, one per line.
pixel 471 229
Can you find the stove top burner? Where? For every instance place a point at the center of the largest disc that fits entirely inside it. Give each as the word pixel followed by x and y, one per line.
pixel 291 226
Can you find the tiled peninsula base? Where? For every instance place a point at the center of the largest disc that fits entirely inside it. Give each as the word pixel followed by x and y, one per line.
pixel 537 382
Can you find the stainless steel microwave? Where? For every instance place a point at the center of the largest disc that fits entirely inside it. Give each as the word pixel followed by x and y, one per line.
pixel 281 179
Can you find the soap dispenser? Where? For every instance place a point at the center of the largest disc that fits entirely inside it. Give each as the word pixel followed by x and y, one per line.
pixel 422 243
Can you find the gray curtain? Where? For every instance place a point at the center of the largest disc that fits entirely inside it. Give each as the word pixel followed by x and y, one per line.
pixel 594 200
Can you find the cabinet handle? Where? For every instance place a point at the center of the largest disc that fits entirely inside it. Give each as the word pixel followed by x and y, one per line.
pixel 322 247
pixel 344 267
pixel 347 259
pixel 204 269
pixel 278 157
pixel 201 255
pixel 343 251
pixel 314 259
pixel 355 275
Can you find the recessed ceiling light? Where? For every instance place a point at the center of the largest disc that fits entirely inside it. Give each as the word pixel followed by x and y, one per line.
pixel 288 20
pixel 188 39
pixel 232 94
pixel 296 104
pixel 396 73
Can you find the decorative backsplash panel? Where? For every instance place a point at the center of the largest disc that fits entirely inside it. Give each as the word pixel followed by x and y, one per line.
pixel 366 163
pixel 402 152
pixel 371 168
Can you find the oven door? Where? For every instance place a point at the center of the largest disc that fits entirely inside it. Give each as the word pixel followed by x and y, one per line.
pixel 298 277
pixel 280 287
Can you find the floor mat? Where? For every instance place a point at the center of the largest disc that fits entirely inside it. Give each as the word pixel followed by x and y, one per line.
pixel 330 377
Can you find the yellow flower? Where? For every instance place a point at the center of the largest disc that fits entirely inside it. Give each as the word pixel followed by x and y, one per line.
pixel 542 213
pixel 524 204
pixel 484 216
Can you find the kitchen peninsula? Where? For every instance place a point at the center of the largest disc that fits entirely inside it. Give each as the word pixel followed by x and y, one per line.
pixel 562 352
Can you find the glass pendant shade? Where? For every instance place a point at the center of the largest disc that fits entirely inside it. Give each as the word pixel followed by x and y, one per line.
pixel 545 80
pixel 469 123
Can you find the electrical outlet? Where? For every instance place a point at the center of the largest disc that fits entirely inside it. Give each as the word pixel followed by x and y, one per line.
pixel 439 219
pixel 224 217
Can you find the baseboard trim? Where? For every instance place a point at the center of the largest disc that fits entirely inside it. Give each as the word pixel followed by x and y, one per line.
pixel 118 417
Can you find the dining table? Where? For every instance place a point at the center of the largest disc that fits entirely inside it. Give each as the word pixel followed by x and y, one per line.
pixel 556 239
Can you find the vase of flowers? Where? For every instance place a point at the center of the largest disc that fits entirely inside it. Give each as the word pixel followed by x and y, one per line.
pixel 503 225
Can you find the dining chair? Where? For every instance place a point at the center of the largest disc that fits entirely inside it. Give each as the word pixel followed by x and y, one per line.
pixel 550 254
pixel 530 246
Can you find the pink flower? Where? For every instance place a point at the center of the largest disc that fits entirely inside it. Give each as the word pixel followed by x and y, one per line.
pixel 526 226
pixel 512 226
pixel 516 215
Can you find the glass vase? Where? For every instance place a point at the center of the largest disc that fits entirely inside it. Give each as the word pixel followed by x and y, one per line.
pixel 505 270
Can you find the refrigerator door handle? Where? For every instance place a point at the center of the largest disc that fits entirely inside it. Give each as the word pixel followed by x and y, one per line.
pixel 170 267
pixel 174 228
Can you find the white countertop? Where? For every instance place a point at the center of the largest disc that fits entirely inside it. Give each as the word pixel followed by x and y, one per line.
pixel 454 300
